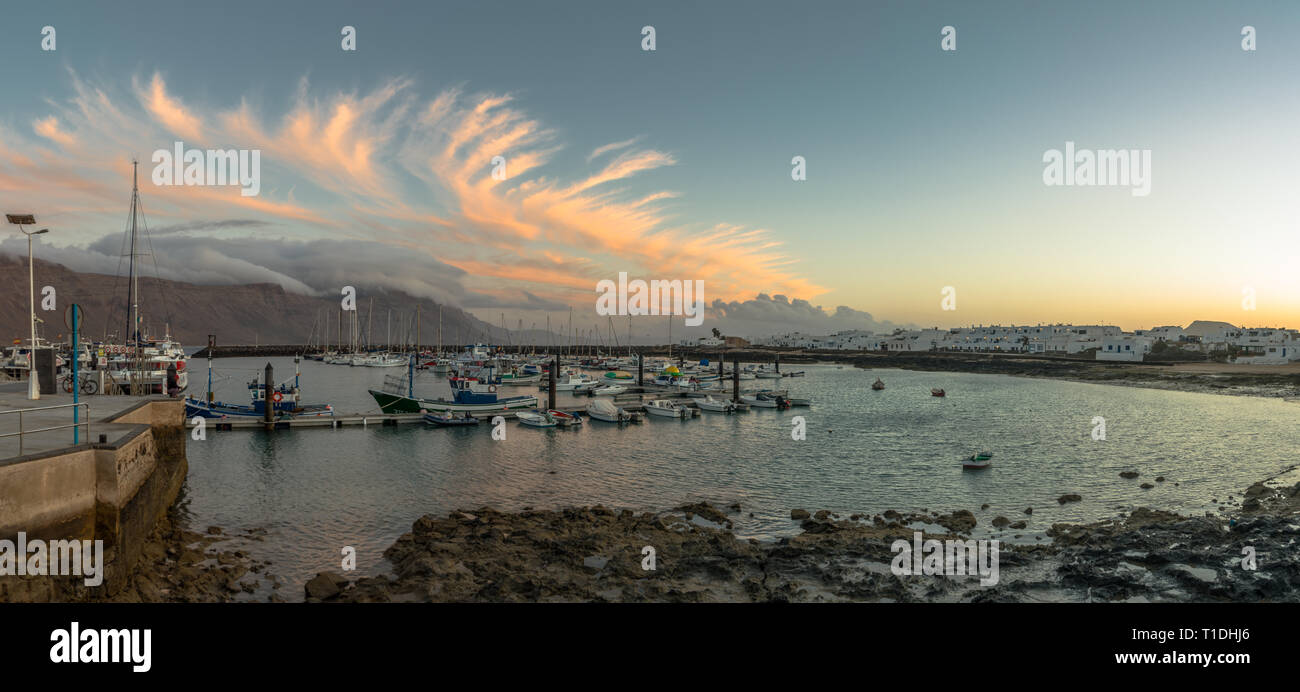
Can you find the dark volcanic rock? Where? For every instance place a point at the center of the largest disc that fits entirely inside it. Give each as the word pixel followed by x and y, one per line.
pixel 961 521
pixel 325 585
pixel 1069 497
pixel 593 554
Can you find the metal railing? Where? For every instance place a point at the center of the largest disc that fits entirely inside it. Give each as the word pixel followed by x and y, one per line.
pixel 85 423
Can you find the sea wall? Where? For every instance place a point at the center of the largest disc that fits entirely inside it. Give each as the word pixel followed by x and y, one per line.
pixel 114 491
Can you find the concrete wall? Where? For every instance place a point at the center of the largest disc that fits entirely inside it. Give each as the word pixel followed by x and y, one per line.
pixel 114 492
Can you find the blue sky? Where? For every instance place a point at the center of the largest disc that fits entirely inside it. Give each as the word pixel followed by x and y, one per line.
pixel 924 166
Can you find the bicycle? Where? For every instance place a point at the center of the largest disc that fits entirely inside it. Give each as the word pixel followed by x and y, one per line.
pixel 88 386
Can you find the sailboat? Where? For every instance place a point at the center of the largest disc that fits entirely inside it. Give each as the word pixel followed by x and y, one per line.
pixel 145 365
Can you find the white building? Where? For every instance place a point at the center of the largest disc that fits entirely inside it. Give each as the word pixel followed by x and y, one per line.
pixel 1266 346
pixel 1129 347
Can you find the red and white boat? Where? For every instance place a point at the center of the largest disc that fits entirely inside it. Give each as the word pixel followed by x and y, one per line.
pixel 563 419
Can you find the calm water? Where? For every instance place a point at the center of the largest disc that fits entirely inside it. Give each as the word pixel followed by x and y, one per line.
pixel 317 490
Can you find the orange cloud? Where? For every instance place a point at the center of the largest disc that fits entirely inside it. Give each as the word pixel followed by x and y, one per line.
pixel 383 166
pixel 169 111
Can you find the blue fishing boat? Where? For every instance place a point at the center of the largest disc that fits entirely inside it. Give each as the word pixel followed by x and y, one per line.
pixel 285 402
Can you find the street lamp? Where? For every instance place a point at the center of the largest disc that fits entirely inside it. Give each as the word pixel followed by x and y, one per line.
pixel 20 220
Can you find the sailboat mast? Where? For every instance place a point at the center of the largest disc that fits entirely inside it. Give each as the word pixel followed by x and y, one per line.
pixel 132 300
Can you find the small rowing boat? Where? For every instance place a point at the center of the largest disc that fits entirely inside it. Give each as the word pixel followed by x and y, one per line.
pixel 978 461
pixel 564 420
pixel 536 419
pixel 450 419
pixel 709 403
pixel 666 409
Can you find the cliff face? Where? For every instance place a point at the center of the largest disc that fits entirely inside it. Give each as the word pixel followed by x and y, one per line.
pixel 244 314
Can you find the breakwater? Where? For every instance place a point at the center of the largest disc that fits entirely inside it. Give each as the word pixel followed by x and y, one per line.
pixel 114 490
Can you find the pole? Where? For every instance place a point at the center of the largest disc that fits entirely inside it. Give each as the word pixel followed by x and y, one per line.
pixel 33 386
pixel 212 344
pixel 268 405
pixel 778 363
pixel 735 380
pixel 555 370
pixel 640 369
pixel 76 390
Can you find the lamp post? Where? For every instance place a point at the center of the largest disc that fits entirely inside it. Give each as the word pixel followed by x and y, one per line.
pixel 20 220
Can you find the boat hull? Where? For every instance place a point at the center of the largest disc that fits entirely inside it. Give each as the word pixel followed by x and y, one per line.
pixel 395 403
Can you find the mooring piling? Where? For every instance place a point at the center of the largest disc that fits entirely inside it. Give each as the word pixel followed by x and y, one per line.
pixel 555 372
pixel 268 404
pixel 735 380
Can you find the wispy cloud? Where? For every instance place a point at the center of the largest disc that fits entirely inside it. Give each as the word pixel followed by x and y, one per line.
pixel 388 169
pixel 613 146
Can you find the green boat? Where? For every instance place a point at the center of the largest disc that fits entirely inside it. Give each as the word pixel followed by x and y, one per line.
pixel 471 396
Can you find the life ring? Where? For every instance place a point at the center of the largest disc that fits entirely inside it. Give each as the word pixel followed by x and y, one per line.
pixel 492 388
pixel 277 397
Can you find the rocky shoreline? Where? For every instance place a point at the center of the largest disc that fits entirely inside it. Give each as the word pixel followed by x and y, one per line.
pixel 597 554
pixel 179 565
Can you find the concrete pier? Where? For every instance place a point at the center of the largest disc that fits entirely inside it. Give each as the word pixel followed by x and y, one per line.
pixel 113 490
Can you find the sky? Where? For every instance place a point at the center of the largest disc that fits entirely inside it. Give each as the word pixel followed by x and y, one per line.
pixel 924 167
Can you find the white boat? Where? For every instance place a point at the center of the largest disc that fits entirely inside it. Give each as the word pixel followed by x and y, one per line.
pixel 536 419
pixel 604 409
pixel 719 405
pixel 978 461
pixel 564 419
pixel 515 379
pixel 387 360
pixel 666 409
pixel 799 401
pixel 609 390
pixel 574 383
pixel 761 400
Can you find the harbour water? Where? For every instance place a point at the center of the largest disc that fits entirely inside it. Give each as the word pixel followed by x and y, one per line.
pixel 318 490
